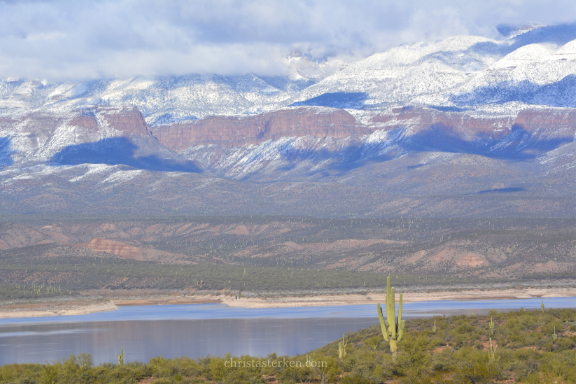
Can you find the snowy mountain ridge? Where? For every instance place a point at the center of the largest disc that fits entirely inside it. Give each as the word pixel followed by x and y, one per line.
pixel 451 118
pixel 536 67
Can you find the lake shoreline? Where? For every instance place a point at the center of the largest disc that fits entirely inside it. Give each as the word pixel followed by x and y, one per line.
pixel 89 305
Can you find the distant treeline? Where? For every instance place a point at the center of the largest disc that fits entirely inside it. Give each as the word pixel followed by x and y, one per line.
pixel 69 273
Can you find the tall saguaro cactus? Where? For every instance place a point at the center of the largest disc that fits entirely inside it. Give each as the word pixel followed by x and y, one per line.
pixel 121 358
pixel 392 327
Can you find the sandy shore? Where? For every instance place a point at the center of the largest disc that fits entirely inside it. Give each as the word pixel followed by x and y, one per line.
pixel 408 297
pixel 66 308
pixel 87 306
pixel 54 309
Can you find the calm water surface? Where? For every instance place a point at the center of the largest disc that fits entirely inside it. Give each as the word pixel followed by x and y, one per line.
pixel 210 329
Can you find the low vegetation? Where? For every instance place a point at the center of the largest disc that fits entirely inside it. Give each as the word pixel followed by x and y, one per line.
pixel 522 346
pixel 32 291
pixel 73 273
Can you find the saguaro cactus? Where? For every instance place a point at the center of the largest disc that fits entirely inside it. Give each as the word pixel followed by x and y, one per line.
pixel 434 327
pixel 491 325
pixel 543 308
pixel 392 327
pixel 554 335
pixel 491 351
pixel 342 348
pixel 121 358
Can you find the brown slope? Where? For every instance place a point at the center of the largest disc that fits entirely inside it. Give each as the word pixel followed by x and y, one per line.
pixel 124 250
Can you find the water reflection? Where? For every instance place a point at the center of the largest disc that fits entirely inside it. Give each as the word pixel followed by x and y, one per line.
pixel 141 340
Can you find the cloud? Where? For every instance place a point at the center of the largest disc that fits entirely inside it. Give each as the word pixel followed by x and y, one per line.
pixel 74 39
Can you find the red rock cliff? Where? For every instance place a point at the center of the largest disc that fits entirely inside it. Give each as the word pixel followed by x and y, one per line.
pixel 231 131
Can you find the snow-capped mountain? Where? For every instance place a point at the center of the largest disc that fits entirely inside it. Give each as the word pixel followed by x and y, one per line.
pixel 535 67
pixel 421 116
pixel 167 99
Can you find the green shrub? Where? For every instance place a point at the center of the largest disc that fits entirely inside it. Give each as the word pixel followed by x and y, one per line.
pixel 354 380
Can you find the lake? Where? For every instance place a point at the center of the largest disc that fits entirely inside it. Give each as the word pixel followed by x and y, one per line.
pixel 211 329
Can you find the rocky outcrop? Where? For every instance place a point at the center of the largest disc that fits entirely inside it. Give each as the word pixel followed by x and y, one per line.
pixel 127 120
pixel 458 124
pixel 234 131
pixel 550 122
pixel 85 121
pixel 229 131
pixel 435 129
pixel 114 247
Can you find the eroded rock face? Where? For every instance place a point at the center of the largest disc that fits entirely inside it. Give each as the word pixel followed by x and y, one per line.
pixel 534 130
pixel 437 128
pixel 234 131
pixel 127 120
pixel 114 247
pixel 87 122
pixel 549 122
pixel 38 136
pixel 555 122
pixel 458 124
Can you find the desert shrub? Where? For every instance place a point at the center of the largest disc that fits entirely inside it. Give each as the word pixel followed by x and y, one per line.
pixel 218 369
pixel 243 376
pixel 414 356
pixel 355 379
pixel 295 374
pixel 564 343
pixel 477 372
pixel 463 327
pixel 161 367
pixel 550 325
pixel 373 342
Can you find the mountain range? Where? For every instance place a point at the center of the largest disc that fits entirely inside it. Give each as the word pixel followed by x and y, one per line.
pixel 465 126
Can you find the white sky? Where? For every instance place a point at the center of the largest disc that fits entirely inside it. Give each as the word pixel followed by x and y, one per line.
pixel 80 40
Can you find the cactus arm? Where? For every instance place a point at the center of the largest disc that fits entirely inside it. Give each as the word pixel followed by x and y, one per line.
pixel 400 310
pixel 400 330
pixel 388 301
pixel 392 319
pixel 382 323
